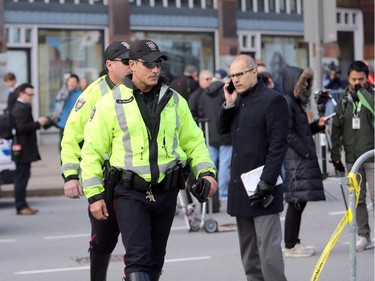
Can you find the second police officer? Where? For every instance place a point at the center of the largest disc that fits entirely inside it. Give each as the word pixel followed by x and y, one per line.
pixel 150 134
pixel 104 234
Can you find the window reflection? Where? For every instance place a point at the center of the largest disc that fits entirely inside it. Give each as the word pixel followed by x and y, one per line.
pixel 260 5
pixel 271 6
pixel 182 49
pixel 66 51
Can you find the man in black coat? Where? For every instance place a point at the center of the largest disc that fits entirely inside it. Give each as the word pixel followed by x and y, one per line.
pixel 257 118
pixel 24 148
pixel 187 83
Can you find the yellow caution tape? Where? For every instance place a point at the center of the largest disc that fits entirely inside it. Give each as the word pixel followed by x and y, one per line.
pixel 348 217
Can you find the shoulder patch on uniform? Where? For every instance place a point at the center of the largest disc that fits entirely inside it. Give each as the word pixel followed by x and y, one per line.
pixel 92 113
pixel 79 104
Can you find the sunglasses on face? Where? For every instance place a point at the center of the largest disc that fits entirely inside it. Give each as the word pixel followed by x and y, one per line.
pixel 151 64
pixel 124 61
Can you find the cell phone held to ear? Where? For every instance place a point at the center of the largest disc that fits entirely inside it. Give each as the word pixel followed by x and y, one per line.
pixel 230 87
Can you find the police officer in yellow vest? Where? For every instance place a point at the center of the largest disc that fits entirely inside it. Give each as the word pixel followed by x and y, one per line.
pixel 104 233
pixel 150 134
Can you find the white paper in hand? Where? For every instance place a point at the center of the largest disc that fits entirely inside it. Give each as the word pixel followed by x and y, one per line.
pixel 251 179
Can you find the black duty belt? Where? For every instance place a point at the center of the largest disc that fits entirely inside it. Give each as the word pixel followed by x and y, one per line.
pixel 173 177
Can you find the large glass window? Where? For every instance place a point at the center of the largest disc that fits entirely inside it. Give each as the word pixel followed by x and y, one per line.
pixel 209 3
pixel 271 6
pixel 158 3
pixel 293 6
pixel 260 5
pixel 183 49
pixel 66 51
pixel 184 3
pixel 282 6
pixel 278 52
pixel 249 5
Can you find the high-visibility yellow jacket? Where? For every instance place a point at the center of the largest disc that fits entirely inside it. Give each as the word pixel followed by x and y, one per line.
pixel 116 126
pixel 72 140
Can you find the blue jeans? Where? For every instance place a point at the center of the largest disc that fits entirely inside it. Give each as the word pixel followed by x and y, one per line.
pixel 221 156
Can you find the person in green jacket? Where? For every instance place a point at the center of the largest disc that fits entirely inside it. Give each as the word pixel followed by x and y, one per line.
pixel 104 234
pixel 353 130
pixel 150 136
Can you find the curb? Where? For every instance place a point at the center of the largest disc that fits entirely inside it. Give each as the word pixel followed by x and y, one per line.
pixel 34 193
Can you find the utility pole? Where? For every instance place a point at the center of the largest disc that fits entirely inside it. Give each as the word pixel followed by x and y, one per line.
pixel 319 27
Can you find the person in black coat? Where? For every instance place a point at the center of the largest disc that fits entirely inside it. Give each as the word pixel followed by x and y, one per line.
pixel 256 117
pixel 24 148
pixel 303 178
pixel 187 83
pixel 206 109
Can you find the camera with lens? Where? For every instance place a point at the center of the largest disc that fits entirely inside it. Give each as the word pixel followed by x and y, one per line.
pixel 264 76
pixel 321 98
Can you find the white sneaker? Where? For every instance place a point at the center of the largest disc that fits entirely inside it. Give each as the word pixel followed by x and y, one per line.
pixel 298 251
pixel 363 243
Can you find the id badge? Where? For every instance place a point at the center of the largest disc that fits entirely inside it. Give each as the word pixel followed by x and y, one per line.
pixel 356 123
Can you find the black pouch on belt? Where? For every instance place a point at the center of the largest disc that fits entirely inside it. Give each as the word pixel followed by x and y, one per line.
pixel 174 176
pixel 181 178
pixel 128 179
pixel 169 179
pixel 112 178
pixel 139 183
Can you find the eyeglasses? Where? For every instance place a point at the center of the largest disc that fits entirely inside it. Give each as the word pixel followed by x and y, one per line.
pixel 240 74
pixel 124 61
pixel 151 64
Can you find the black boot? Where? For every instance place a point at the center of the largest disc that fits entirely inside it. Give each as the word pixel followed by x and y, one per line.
pixel 155 276
pixel 138 276
pixel 98 266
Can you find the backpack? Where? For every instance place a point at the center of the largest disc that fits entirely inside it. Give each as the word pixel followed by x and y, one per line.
pixel 6 126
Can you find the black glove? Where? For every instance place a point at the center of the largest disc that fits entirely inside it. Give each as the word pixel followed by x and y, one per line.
pixel 262 194
pixel 201 189
pixel 339 166
pixel 49 124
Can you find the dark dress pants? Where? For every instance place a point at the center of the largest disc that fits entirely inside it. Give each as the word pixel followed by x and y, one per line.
pixel 104 233
pixel 145 227
pixel 293 223
pixel 22 176
pixel 104 236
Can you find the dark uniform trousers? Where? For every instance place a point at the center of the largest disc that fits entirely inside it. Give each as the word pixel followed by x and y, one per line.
pixel 104 233
pixel 145 226
pixel 104 236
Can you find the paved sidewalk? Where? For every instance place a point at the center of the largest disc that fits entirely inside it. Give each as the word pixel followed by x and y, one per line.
pixel 45 178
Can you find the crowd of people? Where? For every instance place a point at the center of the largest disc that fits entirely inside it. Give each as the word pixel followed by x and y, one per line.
pixel 153 138
pixel 24 141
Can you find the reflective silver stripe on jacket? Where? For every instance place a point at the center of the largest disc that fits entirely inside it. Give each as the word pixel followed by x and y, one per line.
pixel 175 138
pixel 103 86
pixel 69 167
pixel 126 138
pixel 92 182
pixel 201 166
